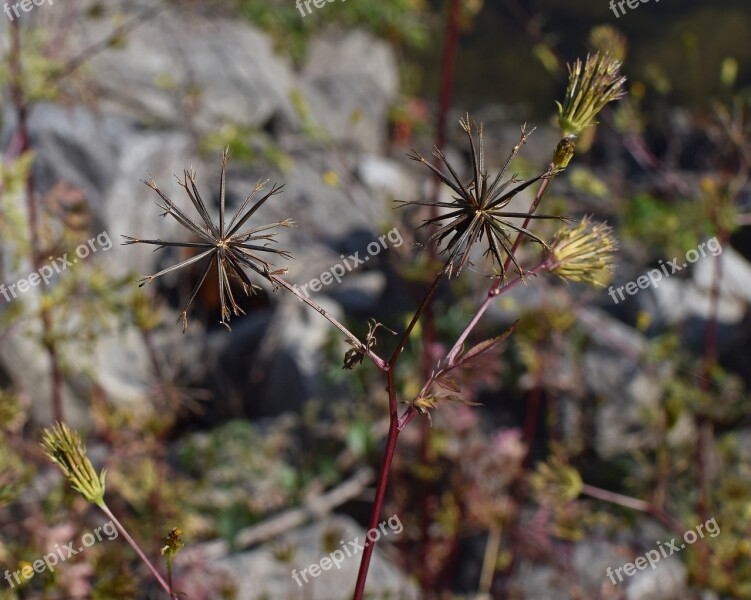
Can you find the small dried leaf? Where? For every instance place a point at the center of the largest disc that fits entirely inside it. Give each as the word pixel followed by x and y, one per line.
pixel 426 403
pixel 485 346
pixel 355 356
pixel 448 383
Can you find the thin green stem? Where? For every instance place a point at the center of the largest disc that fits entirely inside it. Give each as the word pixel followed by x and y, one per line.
pixel 169 574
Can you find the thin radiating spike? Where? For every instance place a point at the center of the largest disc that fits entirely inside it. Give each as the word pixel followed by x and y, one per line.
pixel 149 278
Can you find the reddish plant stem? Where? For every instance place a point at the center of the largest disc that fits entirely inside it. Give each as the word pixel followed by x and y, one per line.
pixel 448 64
pixel 635 504
pixel 383 477
pixel 415 318
pixel 530 421
pixel 377 360
pixel 396 424
pixel 138 551
pixel 495 290
pixel 535 203
pixel 24 141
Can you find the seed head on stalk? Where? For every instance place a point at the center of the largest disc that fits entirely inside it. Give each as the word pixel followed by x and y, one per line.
pixel 64 447
pixel 477 211
pixel 227 245
pixel 583 253
pixel 591 86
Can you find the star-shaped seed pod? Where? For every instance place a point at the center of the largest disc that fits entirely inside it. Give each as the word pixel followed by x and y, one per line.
pixel 477 210
pixel 227 246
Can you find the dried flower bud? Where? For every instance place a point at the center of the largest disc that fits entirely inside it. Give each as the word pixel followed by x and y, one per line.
pixel 65 448
pixel 173 543
pixel 583 253
pixel 591 86
pixel 564 152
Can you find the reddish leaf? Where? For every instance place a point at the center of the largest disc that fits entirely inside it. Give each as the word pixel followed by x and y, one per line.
pixel 483 347
pixel 448 383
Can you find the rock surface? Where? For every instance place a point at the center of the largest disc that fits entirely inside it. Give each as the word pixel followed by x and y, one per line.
pixel 260 574
pixel 180 77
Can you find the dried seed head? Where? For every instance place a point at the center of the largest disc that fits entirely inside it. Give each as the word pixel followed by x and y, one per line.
pixel 227 247
pixel 478 212
pixel 583 253
pixel 64 447
pixel 590 87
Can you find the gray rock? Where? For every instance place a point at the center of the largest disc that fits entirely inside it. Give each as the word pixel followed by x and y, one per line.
pixel 667 581
pixel 736 274
pixel 587 569
pixel 180 69
pixel 177 77
pixel 388 177
pixel 350 81
pixel 614 373
pixel 259 574
pixel 675 300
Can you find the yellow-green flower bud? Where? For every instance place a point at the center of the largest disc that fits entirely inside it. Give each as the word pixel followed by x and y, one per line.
pixel 64 447
pixel 564 152
pixel 583 253
pixel 590 87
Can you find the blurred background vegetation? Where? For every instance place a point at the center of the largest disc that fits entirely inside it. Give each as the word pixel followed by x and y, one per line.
pixel 603 428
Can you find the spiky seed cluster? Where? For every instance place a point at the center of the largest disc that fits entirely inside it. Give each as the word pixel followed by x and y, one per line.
pixel 476 212
pixel 584 253
pixel 64 447
pixel 590 87
pixel 228 247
